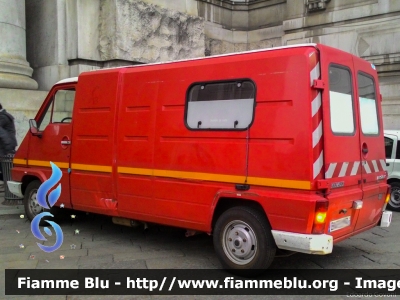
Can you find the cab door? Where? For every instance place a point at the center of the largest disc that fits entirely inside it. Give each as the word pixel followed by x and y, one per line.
pixel 53 144
pixel 341 137
pixel 372 144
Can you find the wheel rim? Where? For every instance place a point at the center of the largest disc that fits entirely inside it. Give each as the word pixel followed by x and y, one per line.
pixel 395 197
pixel 34 206
pixel 239 242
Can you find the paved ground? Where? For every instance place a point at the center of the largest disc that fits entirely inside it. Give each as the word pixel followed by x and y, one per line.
pixel 102 245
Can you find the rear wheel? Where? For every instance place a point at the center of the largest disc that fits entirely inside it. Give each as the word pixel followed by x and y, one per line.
pixel 243 241
pixel 394 202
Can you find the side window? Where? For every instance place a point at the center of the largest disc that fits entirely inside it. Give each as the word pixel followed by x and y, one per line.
pixel 341 101
pixel 368 109
pixel 59 109
pixel 220 105
pixel 388 147
pixel 398 150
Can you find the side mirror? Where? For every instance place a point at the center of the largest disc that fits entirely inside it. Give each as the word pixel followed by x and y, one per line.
pixel 33 128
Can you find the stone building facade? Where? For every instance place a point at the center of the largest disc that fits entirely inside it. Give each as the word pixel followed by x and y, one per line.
pixel 61 38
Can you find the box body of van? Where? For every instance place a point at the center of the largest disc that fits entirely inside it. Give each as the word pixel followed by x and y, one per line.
pixel 276 148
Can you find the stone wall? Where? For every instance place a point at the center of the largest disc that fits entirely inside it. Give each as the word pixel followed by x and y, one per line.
pixel 46 41
pixel 15 72
pixel 220 40
pixel 138 31
pixel 184 6
pixel 15 101
pixel 67 37
pixel 236 27
pixel 367 28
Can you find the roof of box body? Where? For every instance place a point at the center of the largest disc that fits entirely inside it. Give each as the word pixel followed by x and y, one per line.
pixel 75 79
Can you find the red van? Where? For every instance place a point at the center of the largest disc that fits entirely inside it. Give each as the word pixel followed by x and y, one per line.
pixel 276 148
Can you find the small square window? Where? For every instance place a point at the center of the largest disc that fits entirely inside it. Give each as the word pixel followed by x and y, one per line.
pixel 220 105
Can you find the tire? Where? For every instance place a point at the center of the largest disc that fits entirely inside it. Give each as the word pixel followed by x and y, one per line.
pixel 394 202
pixel 32 207
pixel 243 241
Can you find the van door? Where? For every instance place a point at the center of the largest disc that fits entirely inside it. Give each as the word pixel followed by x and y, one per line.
pixel 93 154
pixel 54 122
pixel 371 141
pixel 342 161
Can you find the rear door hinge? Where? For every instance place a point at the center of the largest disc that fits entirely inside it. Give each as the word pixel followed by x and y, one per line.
pixel 322 184
pixel 318 84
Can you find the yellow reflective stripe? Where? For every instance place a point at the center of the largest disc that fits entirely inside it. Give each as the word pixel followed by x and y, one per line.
pixel 43 163
pixel 182 175
pixel 200 176
pixel 136 171
pixel 19 161
pixel 97 168
pixel 65 165
pixel 293 184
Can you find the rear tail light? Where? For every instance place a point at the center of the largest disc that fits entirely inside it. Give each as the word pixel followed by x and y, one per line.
pixel 321 210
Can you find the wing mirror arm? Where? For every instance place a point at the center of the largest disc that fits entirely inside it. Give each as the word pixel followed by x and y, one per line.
pixel 34 129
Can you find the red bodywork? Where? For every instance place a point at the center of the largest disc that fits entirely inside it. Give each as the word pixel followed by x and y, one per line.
pixel 132 156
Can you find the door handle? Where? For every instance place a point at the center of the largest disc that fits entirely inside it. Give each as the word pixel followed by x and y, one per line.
pixel 65 142
pixel 387 164
pixel 364 149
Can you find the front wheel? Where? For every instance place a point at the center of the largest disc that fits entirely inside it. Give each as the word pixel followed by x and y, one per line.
pixel 32 207
pixel 394 202
pixel 243 241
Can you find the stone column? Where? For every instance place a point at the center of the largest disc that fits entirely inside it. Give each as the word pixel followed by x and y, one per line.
pixel 15 72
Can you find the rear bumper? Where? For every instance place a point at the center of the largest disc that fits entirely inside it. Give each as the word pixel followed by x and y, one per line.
pixel 15 188
pixel 305 243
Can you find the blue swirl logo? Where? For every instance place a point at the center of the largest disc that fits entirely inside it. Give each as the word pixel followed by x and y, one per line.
pixel 48 202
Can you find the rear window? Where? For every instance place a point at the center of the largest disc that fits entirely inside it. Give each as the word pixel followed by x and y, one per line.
pixel 341 101
pixel 368 107
pixel 220 105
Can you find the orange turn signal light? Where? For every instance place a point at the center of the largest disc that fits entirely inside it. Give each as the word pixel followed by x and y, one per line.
pixel 320 217
pixel 387 198
pixel 321 209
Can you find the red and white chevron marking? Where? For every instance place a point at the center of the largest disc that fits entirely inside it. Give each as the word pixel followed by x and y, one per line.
pixel 316 115
pixel 342 169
